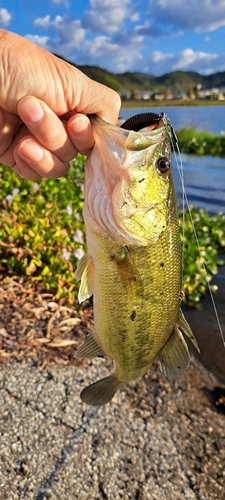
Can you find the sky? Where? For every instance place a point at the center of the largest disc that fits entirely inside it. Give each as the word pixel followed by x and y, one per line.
pixel 151 36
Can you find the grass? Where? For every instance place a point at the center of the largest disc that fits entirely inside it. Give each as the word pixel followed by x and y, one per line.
pixel 42 233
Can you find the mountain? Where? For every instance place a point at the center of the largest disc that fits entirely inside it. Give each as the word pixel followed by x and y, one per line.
pixel 174 81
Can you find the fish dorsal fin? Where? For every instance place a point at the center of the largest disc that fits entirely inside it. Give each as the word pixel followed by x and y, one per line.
pixel 90 348
pixel 101 392
pixel 85 273
pixel 185 327
pixel 174 357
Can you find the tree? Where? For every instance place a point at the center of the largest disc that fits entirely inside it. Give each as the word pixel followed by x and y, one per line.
pixel 133 95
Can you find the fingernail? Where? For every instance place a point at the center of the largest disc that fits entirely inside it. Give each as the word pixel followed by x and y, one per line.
pixel 30 151
pixel 17 170
pixel 30 110
pixel 79 125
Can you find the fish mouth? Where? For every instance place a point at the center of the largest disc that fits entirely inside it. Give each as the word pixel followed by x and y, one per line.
pixel 150 121
pixel 144 120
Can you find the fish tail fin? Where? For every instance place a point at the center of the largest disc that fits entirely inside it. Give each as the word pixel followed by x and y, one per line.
pixel 101 392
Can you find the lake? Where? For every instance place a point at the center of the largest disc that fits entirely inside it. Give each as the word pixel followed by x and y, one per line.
pixel 211 118
pixel 204 180
pixel 204 175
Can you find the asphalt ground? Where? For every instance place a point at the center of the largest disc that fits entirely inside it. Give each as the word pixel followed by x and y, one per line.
pixel 156 440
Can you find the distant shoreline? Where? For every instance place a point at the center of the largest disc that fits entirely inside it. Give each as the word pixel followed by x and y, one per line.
pixel 169 103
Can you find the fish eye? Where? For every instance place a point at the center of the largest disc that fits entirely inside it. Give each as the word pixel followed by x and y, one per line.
pixel 163 164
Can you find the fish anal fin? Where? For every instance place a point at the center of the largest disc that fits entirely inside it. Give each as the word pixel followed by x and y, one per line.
pixel 185 327
pixel 101 392
pixel 90 348
pixel 174 358
pixel 85 273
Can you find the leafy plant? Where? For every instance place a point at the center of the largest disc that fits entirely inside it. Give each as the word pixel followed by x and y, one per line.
pixel 42 234
pixel 42 229
pixel 201 259
pixel 192 141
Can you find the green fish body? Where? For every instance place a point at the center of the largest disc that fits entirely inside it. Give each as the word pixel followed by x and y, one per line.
pixel 133 265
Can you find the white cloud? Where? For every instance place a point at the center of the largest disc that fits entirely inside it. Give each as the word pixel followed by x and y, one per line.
pixel 135 17
pixel 200 16
pixel 186 60
pixel 42 22
pixel 39 40
pixel 114 55
pixel 108 16
pixel 60 2
pixel 120 46
pixel 68 38
pixel 66 35
pixel 5 18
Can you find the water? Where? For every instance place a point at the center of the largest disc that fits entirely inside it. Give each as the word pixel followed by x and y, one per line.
pixel 204 176
pixel 211 118
pixel 204 180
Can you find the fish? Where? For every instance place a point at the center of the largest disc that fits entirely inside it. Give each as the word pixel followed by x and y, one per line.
pixel 133 264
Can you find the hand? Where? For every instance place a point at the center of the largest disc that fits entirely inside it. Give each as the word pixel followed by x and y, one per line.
pixel 43 106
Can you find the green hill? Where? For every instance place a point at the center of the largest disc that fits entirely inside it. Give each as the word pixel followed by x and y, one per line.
pixel 174 81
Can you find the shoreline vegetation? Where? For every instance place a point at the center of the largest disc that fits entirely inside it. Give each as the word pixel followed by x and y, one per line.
pixel 200 143
pixel 42 229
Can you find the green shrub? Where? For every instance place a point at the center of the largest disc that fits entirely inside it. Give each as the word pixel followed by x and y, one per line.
pixel 201 260
pixel 42 233
pixel 192 141
pixel 40 223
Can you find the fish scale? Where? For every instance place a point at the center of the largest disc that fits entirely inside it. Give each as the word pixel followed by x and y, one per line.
pixel 133 265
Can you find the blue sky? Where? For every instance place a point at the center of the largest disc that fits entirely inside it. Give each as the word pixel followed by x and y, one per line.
pixel 152 36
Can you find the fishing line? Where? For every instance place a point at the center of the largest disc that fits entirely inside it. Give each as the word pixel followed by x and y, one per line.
pixel 179 164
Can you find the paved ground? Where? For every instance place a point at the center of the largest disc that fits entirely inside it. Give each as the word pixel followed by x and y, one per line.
pixel 155 441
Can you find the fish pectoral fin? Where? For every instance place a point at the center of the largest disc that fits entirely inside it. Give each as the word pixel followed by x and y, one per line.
pixel 90 348
pixel 185 327
pixel 101 392
pixel 174 357
pixel 85 273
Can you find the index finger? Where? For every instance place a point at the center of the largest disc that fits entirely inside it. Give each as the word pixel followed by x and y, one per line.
pixel 98 99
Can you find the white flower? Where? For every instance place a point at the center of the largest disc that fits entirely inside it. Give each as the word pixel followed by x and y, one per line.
pixel 15 192
pixel 9 198
pixel 78 253
pixel 78 236
pixel 69 209
pixel 35 186
pixel 65 254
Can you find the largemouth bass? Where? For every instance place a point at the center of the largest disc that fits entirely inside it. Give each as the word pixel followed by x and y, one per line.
pixel 133 265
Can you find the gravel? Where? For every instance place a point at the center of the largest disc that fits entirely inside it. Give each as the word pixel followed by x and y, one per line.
pixel 154 441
